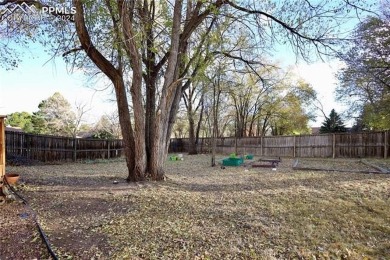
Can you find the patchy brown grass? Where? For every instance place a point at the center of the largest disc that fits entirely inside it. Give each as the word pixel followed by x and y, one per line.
pixel 211 213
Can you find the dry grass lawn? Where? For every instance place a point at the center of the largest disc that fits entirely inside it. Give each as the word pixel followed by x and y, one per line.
pixel 211 213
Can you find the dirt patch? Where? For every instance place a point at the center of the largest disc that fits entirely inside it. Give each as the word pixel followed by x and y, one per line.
pixel 89 211
pixel 19 237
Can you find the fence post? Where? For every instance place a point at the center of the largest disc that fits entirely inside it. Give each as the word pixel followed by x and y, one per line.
pixel 44 151
pixel 294 147
pixel 74 149
pixel 334 146
pixel 2 147
pixel 108 149
pixel 22 139
pixel 386 146
pixel 28 152
pixel 261 145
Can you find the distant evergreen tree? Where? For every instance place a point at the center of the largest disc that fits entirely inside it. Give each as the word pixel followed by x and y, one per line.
pixel 333 124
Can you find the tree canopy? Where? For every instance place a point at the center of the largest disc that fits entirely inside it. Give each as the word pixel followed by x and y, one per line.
pixel 58 115
pixel 55 116
pixel 22 120
pixel 365 80
pixel 151 50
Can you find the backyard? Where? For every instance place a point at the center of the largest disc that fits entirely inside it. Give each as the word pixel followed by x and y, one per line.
pixel 88 211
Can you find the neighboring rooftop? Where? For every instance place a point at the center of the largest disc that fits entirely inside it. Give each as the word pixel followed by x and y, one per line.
pixel 13 128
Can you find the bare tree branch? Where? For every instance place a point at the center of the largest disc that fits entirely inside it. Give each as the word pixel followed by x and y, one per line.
pixel 72 50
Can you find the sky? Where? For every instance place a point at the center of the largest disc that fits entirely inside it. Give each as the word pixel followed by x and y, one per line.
pixel 322 77
pixel 37 78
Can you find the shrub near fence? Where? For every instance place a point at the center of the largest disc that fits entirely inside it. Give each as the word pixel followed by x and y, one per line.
pixel 347 145
pixel 53 148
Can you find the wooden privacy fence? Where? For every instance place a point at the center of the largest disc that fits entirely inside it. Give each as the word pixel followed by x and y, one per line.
pixel 351 145
pixel 54 148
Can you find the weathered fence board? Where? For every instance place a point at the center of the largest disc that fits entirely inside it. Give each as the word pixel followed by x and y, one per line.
pixel 351 145
pixel 314 145
pixel 53 148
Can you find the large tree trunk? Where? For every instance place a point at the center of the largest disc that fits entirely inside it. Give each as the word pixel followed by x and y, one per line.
pixel 150 78
pixel 214 132
pixel 116 78
pixel 136 94
pixel 171 88
pixel 127 130
pixel 146 138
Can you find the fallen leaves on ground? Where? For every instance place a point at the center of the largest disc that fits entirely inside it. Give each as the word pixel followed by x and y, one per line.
pixel 202 212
